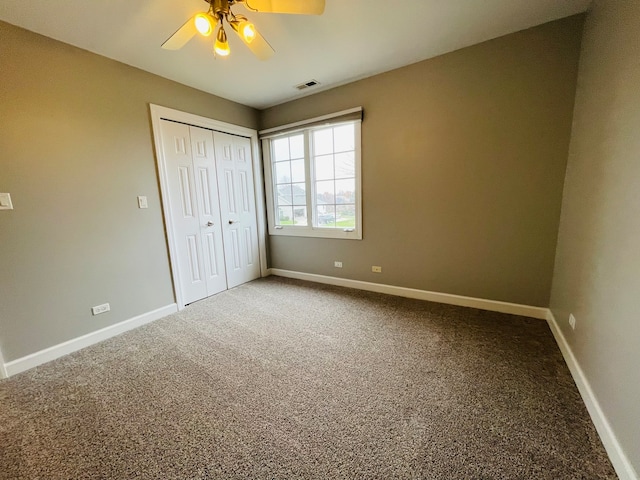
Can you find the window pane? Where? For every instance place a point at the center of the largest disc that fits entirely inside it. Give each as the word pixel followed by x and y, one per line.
pixel 323 141
pixel 346 191
pixel 297 170
pixel 285 215
pixel 300 216
pixel 325 192
pixel 297 146
pixel 345 165
pixel 284 195
pixel 281 149
pixel 299 193
pixel 324 167
pixel 326 216
pixel 343 138
pixel 283 172
pixel 346 216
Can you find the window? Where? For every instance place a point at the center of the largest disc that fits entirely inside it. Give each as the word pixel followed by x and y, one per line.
pixel 313 180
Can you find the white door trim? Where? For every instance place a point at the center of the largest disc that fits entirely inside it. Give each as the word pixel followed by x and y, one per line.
pixel 3 368
pixel 158 113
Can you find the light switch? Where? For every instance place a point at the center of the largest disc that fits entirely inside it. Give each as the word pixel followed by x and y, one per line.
pixel 5 201
pixel 142 202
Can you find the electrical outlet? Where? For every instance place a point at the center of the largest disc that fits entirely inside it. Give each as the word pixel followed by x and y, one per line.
pixel 376 269
pixel 572 321
pixel 337 264
pixel 98 309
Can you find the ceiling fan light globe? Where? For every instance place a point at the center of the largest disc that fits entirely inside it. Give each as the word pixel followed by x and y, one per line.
pixel 248 31
pixel 203 23
pixel 222 50
pixel 221 47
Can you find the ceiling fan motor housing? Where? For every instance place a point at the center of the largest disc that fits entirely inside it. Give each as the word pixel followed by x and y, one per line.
pixel 221 8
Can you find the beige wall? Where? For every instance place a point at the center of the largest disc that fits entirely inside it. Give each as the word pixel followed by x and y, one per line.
pixel 597 268
pixel 463 165
pixel 75 150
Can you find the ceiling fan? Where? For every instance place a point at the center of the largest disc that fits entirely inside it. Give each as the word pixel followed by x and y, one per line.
pixel 220 11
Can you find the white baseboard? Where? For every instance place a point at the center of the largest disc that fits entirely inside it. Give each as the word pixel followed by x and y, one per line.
pixel 70 346
pixel 618 458
pixel 491 305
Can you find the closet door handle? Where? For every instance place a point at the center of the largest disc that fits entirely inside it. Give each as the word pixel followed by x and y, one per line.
pixel 231 222
pixel 210 224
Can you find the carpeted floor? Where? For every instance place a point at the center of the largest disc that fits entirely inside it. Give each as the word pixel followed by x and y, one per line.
pixel 282 379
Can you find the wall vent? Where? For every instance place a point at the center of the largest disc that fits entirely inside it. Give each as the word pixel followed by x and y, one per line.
pixel 309 84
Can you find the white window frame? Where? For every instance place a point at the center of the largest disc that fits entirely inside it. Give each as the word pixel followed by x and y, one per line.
pixel 309 230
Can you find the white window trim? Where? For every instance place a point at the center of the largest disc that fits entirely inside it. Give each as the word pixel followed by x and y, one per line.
pixel 310 230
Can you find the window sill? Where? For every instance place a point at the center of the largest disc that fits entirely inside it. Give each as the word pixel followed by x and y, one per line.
pixel 316 232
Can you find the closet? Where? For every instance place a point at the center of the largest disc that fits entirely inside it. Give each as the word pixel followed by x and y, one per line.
pixel 211 201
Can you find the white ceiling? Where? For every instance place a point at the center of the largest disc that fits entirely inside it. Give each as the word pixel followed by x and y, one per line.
pixel 353 39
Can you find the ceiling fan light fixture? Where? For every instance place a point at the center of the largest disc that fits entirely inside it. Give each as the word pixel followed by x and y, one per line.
pixel 221 47
pixel 220 12
pixel 244 28
pixel 248 31
pixel 204 24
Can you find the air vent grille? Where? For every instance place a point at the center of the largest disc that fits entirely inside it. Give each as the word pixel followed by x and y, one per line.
pixel 309 84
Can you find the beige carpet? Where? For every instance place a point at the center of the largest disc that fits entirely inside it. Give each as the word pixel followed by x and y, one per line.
pixel 280 379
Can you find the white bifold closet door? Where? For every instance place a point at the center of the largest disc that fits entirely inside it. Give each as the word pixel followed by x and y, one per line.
pixel 237 206
pixel 212 207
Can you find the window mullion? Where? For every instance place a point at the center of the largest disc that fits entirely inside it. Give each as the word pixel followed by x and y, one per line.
pixel 309 178
pixel 269 184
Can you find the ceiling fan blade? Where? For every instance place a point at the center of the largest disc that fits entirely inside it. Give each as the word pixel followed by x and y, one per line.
pixel 258 45
pixel 181 36
pixel 302 7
